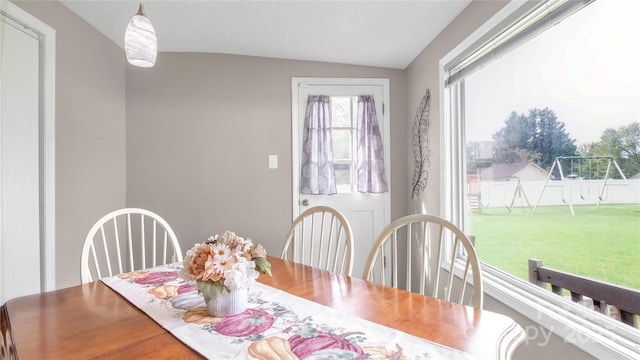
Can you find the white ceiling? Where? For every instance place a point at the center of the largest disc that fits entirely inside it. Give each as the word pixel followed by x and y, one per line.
pixel 375 33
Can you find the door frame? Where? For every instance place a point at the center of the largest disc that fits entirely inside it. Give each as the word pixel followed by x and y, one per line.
pixel 296 83
pixel 47 40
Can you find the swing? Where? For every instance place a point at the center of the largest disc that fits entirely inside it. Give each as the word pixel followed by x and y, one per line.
pixel 562 178
pixel 582 196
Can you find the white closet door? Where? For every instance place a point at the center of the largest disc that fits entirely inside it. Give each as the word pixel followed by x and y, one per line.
pixel 19 162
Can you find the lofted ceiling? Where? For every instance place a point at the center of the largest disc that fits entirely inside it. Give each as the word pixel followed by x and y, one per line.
pixel 372 33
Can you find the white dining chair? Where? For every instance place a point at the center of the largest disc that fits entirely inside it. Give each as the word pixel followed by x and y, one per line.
pixel 127 240
pixel 430 248
pixel 321 237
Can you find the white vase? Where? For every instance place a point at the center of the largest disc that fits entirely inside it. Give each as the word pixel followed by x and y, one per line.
pixel 226 303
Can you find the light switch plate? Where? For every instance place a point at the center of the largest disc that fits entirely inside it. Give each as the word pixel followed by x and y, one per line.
pixel 273 161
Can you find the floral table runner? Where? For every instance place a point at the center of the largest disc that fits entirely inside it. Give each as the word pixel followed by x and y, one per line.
pixel 277 325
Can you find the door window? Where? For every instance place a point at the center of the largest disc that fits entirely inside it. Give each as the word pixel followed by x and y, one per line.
pixel 343 113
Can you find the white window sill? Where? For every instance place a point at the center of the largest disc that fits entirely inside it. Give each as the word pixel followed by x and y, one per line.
pixel 594 333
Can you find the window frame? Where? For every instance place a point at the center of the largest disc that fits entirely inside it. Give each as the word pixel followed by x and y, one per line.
pixel 595 333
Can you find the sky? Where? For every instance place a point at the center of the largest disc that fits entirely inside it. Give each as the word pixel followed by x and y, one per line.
pixel 586 69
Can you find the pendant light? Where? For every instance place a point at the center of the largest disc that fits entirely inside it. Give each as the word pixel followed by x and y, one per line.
pixel 140 42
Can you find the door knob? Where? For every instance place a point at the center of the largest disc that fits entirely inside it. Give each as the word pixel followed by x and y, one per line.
pixel 305 202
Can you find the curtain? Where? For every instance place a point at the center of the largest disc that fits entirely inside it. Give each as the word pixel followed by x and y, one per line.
pixel 318 176
pixel 371 176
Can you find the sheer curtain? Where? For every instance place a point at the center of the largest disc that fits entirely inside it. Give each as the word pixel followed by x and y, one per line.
pixel 371 176
pixel 318 176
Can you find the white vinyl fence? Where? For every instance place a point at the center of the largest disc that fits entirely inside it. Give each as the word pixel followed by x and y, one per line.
pixel 577 192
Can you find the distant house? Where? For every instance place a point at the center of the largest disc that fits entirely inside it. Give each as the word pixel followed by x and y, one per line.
pixel 525 171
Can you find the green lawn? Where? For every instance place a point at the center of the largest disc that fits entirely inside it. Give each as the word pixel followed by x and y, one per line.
pixel 602 244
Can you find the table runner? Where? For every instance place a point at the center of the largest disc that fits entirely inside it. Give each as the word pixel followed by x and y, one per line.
pixel 274 317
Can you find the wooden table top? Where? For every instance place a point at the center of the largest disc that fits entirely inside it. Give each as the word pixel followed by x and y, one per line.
pixel 92 321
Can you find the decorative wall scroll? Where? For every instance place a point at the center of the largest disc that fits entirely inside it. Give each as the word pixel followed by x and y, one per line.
pixel 420 143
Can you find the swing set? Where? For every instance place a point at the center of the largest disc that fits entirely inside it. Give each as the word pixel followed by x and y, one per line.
pixel 477 203
pixel 577 164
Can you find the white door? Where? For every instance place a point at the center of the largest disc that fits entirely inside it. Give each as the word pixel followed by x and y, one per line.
pixel 27 201
pixel 368 214
pixel 20 214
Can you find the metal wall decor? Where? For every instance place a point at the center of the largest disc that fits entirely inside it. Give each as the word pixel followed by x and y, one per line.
pixel 420 143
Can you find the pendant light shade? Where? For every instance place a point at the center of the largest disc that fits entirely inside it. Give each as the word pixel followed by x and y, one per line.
pixel 140 42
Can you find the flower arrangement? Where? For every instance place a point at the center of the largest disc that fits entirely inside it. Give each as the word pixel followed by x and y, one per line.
pixel 225 261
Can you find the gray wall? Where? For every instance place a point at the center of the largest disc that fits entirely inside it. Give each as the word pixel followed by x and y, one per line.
pixel 200 128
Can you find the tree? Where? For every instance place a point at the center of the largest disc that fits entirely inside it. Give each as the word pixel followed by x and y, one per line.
pixel 538 135
pixel 622 144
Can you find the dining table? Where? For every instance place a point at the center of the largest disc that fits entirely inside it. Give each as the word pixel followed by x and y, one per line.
pixel 92 321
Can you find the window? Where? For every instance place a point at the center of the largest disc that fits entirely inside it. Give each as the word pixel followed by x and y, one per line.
pixel 343 117
pixel 500 171
pixel 548 122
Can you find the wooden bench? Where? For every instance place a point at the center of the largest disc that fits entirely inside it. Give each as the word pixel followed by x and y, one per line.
pixel 607 298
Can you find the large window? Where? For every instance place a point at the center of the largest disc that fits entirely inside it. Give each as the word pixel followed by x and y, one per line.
pixel 565 105
pixel 542 131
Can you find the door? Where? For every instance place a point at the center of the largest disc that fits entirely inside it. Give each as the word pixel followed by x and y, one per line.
pixel 19 161
pixel 367 213
pixel 26 154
